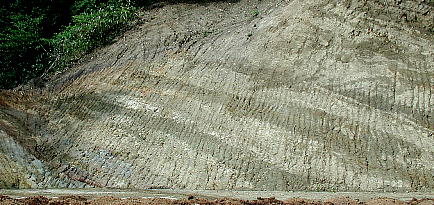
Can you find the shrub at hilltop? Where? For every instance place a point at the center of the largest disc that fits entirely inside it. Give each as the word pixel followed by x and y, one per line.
pixel 88 31
pixel 44 36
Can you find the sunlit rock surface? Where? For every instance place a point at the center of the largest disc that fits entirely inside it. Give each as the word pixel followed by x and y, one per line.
pixel 249 95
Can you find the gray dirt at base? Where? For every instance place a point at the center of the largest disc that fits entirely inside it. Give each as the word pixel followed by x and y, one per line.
pixel 247 95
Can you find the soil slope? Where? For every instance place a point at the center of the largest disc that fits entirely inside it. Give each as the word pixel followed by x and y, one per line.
pixel 248 95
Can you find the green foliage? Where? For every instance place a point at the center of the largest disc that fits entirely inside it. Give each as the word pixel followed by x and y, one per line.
pixel 38 35
pixel 255 13
pixel 22 50
pixel 84 6
pixel 206 33
pixel 90 30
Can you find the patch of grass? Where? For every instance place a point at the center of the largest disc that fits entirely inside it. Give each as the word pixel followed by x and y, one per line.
pixel 255 13
pixel 206 33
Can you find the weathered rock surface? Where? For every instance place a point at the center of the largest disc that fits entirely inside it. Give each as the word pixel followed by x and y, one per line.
pixel 253 95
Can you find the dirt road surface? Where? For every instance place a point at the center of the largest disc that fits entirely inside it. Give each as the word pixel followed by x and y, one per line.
pixel 108 196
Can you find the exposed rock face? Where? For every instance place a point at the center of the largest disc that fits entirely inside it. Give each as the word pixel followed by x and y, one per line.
pixel 267 95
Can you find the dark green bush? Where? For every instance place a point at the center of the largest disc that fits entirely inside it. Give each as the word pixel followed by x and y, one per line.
pixel 22 50
pixel 90 30
pixel 37 36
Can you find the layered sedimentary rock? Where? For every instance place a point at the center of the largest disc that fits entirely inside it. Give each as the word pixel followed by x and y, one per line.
pixel 249 95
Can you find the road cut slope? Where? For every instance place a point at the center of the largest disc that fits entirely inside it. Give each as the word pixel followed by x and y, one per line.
pixel 249 95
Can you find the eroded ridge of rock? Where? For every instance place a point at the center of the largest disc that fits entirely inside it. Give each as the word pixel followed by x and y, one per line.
pixel 253 95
